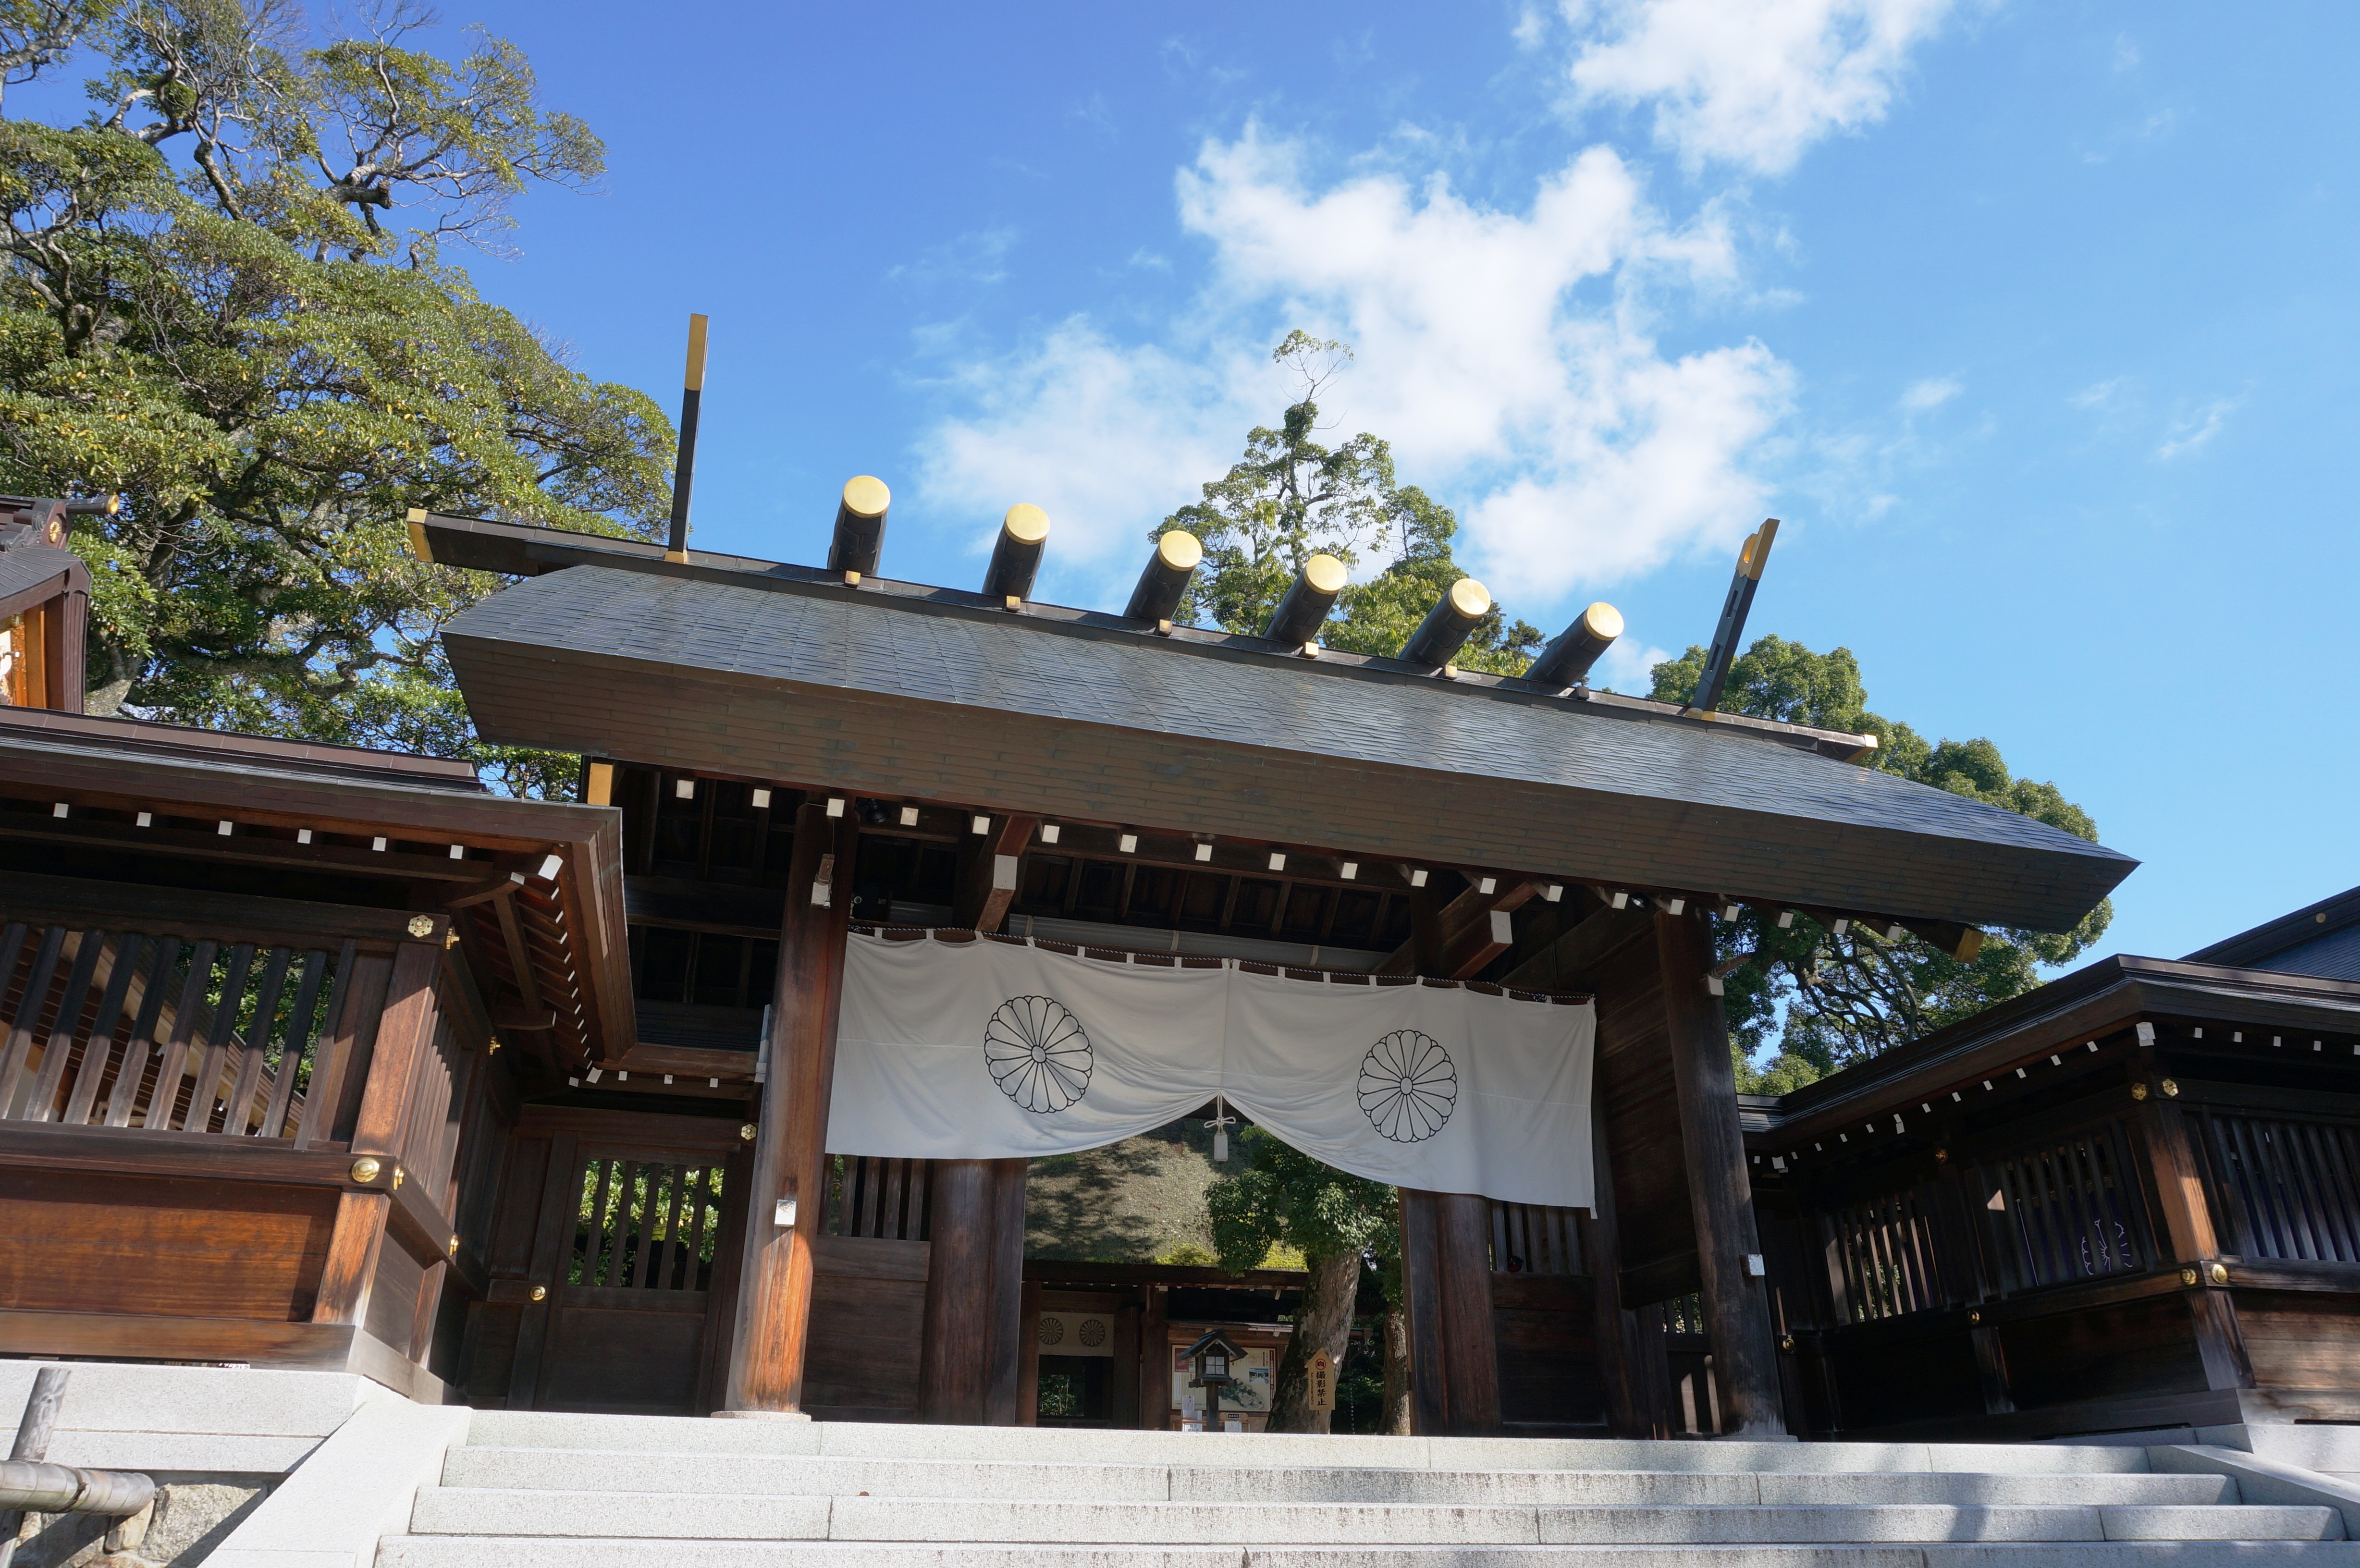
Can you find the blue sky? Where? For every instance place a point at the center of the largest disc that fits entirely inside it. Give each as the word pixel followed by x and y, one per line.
pixel 2034 324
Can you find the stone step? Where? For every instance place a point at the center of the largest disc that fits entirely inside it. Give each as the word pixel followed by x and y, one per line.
pixel 571 1552
pixel 596 1470
pixel 680 1516
pixel 883 1440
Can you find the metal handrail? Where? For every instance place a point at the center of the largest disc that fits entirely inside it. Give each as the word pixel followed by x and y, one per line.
pixel 28 1482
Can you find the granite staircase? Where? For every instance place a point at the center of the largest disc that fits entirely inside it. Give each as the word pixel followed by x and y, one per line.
pixel 531 1489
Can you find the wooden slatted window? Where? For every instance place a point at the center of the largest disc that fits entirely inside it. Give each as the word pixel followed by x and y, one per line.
pixel 2285 1189
pixel 122 1028
pixel 881 1198
pixel 647 1225
pixel 1881 1256
pixel 1527 1239
pixel 2063 1210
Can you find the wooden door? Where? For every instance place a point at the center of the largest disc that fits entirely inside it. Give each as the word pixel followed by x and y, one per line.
pixel 634 1254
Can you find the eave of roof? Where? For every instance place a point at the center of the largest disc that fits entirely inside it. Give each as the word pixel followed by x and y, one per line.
pixel 32 575
pixel 128 765
pixel 2290 930
pixel 519 549
pixel 2092 1001
pixel 824 686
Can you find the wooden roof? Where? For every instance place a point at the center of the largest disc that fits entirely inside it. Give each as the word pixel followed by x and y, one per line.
pixel 343 826
pixel 774 672
pixel 2060 1020
pixel 35 565
pixel 2321 939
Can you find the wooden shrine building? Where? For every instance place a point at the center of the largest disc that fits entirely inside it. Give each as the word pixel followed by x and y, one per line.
pixel 795 749
pixel 318 1057
pixel 2125 1200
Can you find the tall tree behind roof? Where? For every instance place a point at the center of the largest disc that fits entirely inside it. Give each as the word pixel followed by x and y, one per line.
pixel 226 297
pixel 1291 497
pixel 1828 1000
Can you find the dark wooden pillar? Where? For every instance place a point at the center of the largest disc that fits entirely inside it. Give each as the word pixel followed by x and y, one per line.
pixel 1005 1339
pixel 1447 1285
pixel 1155 1360
pixel 970 1366
pixel 1615 1327
pixel 1028 1363
pixel 1721 1195
pixel 2173 1162
pixel 774 1281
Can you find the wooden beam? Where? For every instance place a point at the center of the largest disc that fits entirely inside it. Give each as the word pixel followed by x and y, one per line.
pixel 1721 1202
pixel 246 849
pixel 989 866
pixel 1958 941
pixel 787 1196
pixel 499 887
pixel 1567 964
pixel 519 961
pixel 1468 933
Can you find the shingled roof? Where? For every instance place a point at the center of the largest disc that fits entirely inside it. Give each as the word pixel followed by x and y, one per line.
pixel 768 671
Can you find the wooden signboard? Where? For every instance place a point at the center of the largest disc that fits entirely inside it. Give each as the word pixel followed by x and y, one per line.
pixel 1321 1375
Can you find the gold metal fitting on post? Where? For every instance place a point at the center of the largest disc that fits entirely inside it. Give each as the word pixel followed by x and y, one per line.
pixel 2170 1089
pixel 422 925
pixel 540 1292
pixel 451 1251
pixel 1974 1317
pixel 2138 1090
pixel 2220 1273
pixel 2188 1276
pixel 746 1132
pixel 1787 1343
pixel 365 1168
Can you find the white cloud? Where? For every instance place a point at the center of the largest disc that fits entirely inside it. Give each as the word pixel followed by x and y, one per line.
pixel 2098 394
pixel 1510 353
pixel 1106 438
pixel 1748 83
pixel 1921 395
pixel 1578 451
pixel 1629 667
pixel 2194 432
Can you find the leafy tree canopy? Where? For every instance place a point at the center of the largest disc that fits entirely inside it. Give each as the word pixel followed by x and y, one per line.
pixel 224 297
pixel 1291 497
pixel 1829 1000
pixel 1283 1199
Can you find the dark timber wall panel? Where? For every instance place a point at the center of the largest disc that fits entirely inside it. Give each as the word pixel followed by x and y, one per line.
pixel 75 1241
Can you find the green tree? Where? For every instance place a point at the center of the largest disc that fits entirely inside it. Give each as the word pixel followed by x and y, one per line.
pixel 1285 1199
pixel 1291 497
pixel 224 297
pixel 1829 1000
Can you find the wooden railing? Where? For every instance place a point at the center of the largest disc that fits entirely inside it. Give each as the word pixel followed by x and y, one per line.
pixel 885 1199
pixel 2282 1188
pixel 172 1033
pixel 1883 1259
pixel 648 1225
pixel 2063 1210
